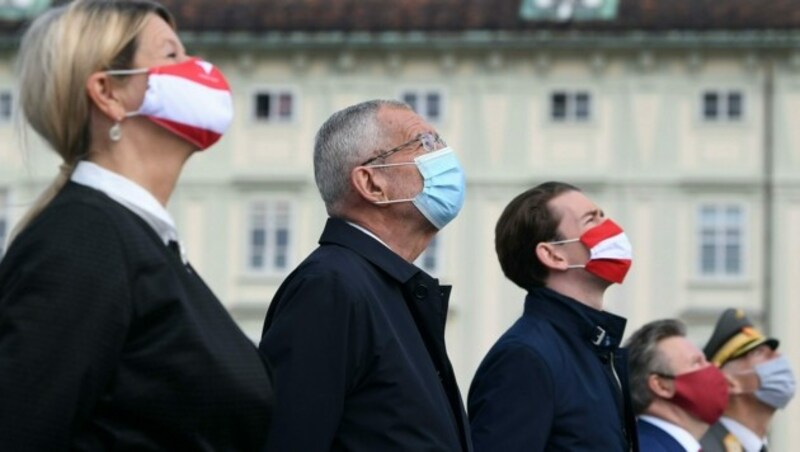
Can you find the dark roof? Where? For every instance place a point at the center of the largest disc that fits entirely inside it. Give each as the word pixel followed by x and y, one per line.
pixel 461 15
pixel 652 16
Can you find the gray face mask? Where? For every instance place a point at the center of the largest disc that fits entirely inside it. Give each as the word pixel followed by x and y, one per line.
pixel 777 385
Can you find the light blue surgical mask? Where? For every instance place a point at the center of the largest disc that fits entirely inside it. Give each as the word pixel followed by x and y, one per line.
pixel 776 382
pixel 443 189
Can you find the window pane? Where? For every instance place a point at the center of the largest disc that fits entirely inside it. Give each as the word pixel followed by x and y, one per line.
pixel 708 216
pixel 285 105
pixel 258 238
pixel 411 100
pixel 6 103
pixel 281 246
pixel 735 105
pixel 433 106
pixel 710 105
pixel 733 216
pixel 707 259
pixel 582 106
pixel 732 259
pixel 558 106
pixel 263 105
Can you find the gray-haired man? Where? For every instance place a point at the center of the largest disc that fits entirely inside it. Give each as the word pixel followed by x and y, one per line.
pixel 355 334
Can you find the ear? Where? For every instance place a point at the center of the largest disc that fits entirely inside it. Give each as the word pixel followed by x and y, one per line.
pixel 548 256
pixel 734 386
pixel 658 387
pixel 368 185
pixel 742 383
pixel 100 89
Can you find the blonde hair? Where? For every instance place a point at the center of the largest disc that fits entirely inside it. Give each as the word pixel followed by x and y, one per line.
pixel 58 53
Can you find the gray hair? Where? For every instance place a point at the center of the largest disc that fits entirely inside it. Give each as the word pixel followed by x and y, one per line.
pixel 346 139
pixel 644 358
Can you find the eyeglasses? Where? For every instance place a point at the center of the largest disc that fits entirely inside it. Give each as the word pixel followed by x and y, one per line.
pixel 429 141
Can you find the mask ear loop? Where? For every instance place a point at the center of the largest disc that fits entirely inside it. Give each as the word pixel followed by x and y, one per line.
pixel 115 132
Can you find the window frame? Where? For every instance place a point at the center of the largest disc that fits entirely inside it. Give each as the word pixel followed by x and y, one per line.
pixel 270 205
pixel 423 92
pixel 8 119
pixel 720 241
pixel 275 92
pixel 571 96
pixel 723 104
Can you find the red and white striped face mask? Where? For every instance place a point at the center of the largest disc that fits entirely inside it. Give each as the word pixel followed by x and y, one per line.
pixel 610 251
pixel 191 99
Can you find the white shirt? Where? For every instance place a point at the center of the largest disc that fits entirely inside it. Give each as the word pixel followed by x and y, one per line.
pixel 368 232
pixel 132 196
pixel 686 440
pixel 750 441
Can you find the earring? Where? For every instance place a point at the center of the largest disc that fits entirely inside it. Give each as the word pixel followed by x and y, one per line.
pixel 115 132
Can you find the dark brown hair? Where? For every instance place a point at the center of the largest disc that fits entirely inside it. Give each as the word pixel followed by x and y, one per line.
pixel 527 221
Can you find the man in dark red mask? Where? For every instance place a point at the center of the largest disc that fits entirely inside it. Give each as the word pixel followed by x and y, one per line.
pixel 557 380
pixel 675 391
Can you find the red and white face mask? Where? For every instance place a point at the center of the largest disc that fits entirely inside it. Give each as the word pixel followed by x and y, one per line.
pixel 610 251
pixel 191 99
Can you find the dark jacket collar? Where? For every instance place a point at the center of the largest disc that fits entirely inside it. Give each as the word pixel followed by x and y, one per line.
pixel 602 329
pixel 338 232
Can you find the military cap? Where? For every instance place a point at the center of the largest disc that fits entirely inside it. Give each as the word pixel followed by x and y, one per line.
pixel 733 336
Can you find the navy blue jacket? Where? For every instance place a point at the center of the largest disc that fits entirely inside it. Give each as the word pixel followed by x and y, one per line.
pixel 355 336
pixel 548 384
pixel 653 439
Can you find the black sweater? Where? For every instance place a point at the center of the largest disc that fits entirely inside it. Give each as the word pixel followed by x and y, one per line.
pixel 107 341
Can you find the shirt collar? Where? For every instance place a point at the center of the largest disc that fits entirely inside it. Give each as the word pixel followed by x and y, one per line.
pixel 341 233
pixel 750 441
pixel 131 195
pixel 368 232
pixel 687 441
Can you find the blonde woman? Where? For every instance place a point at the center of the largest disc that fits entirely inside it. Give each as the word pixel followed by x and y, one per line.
pixel 108 338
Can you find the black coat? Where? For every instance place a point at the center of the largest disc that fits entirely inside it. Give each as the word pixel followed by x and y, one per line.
pixel 355 336
pixel 547 384
pixel 107 342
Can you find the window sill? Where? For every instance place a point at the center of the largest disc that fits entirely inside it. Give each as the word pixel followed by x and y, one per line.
pixel 710 283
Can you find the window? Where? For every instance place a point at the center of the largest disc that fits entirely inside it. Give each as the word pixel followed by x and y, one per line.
pixel 720 238
pixel 6 105
pixel 570 106
pixel 274 105
pixel 427 103
pixel 268 238
pixel 4 220
pixel 723 105
pixel 429 259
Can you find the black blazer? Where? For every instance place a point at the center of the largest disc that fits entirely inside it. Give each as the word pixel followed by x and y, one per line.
pixel 355 336
pixel 107 342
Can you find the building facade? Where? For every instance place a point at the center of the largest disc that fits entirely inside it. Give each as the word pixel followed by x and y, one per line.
pixel 675 116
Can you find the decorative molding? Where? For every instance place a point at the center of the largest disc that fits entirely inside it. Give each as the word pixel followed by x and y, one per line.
pixel 694 61
pixel 448 61
pixel 300 62
pixel 494 61
pixel 598 62
pixel 346 61
pixel 394 62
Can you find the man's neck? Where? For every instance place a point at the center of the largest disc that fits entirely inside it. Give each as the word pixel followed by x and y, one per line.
pixel 406 239
pixel 587 294
pixel 750 412
pixel 678 416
